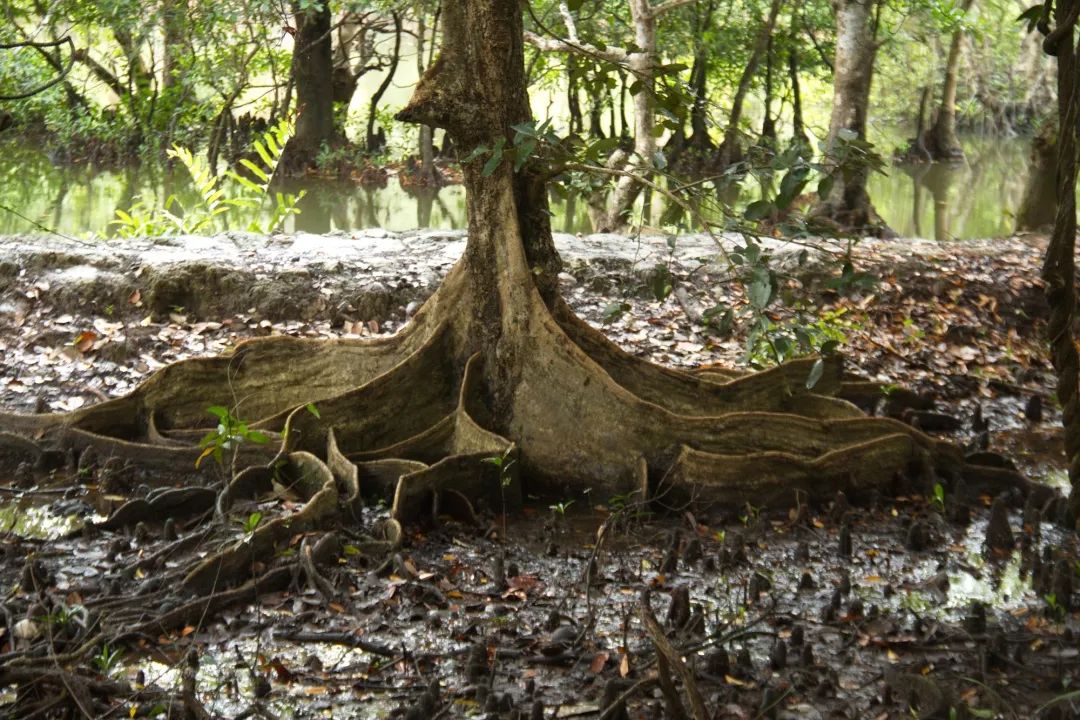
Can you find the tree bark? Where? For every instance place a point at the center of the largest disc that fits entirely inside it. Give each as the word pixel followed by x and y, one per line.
pixel 848 204
pixel 1038 207
pixel 798 125
pixel 1059 268
pixel 941 139
pixel 313 71
pixel 174 24
pixel 699 76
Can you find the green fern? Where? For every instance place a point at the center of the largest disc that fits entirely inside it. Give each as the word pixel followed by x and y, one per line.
pixel 219 194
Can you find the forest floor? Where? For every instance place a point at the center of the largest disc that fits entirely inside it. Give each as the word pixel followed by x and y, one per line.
pixel 787 615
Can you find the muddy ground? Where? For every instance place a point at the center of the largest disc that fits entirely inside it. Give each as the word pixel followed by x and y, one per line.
pixel 880 607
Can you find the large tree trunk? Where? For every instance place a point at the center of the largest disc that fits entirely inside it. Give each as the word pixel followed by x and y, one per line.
pixel 941 139
pixel 494 365
pixel 1059 268
pixel 1038 207
pixel 848 203
pixel 313 72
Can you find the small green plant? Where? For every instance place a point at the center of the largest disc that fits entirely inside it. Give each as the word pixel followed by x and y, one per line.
pixel 66 616
pixel 750 515
pixel 107 659
pixel 1055 609
pixel 503 462
pixel 938 498
pixel 228 435
pixel 559 509
pixel 251 523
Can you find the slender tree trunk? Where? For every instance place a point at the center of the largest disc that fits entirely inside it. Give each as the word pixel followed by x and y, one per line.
pixel 596 109
pixel 611 214
pixel 941 139
pixel 730 150
pixel 174 25
pixel 429 174
pixel 573 103
pixel 848 203
pixel 622 106
pixel 350 36
pixel 313 71
pixel 798 125
pixel 699 76
pixel 768 124
pixel 374 142
pixel 918 150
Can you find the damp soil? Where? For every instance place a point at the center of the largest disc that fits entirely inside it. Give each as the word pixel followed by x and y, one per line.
pixel 885 606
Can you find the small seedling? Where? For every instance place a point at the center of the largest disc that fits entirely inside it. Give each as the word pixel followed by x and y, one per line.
pixel 107 659
pixel 251 522
pixel 560 508
pixel 228 435
pixel 938 498
pixel 1056 609
pixel 504 462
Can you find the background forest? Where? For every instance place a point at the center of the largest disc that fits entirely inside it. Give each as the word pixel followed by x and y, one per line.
pixel 737 83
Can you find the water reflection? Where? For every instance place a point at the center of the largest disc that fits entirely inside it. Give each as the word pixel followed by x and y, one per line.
pixel 976 198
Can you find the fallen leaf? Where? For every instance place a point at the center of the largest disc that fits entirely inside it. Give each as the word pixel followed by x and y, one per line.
pixel 599 662
pixel 84 341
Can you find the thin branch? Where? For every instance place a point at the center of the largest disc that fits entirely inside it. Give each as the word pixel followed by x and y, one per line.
pixel 568 20
pixel 550 44
pixel 63 73
pixel 658 10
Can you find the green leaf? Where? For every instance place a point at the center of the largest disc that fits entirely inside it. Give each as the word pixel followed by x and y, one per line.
pixel 255 170
pixel 816 371
pixel 825 186
pixel 491 164
pixel 246 182
pixel 522 153
pixel 759 293
pixel 261 150
pixel 524 129
pixel 759 210
pixel 310 407
pixel 219 411
pixel 257 437
pixel 476 152
pixel 612 311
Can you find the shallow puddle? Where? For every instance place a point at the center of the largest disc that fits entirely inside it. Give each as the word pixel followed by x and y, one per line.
pixel 35 518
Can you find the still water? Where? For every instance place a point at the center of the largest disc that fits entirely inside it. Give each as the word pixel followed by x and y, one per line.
pixel 971 199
